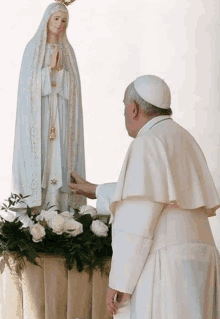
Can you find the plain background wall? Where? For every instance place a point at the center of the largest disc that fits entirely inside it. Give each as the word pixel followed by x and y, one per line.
pixel 115 42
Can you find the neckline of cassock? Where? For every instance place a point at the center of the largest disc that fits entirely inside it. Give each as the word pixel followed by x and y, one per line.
pixel 153 122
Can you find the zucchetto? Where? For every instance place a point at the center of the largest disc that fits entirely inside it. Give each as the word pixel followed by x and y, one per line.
pixel 153 90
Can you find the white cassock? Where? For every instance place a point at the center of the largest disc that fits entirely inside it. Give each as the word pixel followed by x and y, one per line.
pixel 164 253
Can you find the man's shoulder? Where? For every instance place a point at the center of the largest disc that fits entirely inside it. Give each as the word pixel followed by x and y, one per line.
pixel 162 135
pixel 166 126
pixel 140 144
pixel 171 130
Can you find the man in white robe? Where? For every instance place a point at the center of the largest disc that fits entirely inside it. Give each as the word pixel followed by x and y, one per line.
pixel 165 263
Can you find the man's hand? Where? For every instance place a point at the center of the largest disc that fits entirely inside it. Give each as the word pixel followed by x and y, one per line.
pixel 113 303
pixel 82 187
pixel 110 301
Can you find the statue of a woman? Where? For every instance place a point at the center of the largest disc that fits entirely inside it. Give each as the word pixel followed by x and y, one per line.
pixel 49 142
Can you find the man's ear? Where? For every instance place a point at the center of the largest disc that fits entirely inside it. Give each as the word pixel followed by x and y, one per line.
pixel 136 109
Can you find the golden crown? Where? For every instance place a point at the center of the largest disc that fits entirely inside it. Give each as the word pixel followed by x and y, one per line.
pixel 68 2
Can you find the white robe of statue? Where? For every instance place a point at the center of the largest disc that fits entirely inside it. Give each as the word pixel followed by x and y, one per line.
pixel 164 253
pixel 54 112
pixel 42 166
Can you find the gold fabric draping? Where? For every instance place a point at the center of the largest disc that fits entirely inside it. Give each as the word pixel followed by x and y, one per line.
pixel 53 292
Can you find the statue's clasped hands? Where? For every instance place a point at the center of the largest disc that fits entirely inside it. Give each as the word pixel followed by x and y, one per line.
pixel 79 186
pixel 56 62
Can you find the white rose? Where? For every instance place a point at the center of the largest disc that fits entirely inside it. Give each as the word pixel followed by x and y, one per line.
pixel 72 211
pixel 57 224
pixel 47 215
pixel 99 228
pixel 86 209
pixel 67 215
pixel 38 232
pixel 73 227
pixel 8 215
pixel 26 221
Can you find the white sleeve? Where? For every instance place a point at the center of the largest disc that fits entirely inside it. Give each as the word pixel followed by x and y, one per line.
pixel 45 81
pixel 132 238
pixel 104 194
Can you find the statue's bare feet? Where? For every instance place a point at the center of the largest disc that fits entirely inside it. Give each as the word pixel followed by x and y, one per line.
pixel 34 210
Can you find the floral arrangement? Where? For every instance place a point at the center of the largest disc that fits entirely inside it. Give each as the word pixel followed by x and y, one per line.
pixel 79 235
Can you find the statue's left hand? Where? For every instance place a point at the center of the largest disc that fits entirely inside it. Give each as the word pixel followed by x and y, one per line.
pixel 54 58
pixel 59 61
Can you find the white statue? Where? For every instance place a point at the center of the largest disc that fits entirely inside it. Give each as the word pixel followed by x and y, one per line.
pixel 49 142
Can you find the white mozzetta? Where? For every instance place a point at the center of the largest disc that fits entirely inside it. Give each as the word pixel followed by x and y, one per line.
pixel 165 164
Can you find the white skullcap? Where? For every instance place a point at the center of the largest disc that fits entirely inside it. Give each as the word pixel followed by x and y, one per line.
pixel 153 90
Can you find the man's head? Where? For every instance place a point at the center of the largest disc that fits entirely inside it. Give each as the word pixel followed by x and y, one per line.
pixel 148 96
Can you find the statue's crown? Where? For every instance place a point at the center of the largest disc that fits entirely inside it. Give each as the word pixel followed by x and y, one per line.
pixel 68 2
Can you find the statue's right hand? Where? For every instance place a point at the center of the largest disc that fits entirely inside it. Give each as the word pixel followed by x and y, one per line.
pixel 80 186
pixel 54 58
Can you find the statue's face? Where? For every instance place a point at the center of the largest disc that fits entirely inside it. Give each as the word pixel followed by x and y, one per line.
pixel 57 22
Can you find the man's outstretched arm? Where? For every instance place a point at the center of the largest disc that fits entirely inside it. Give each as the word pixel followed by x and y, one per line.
pixel 80 186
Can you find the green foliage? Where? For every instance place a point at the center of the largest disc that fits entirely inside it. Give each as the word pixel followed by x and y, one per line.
pixel 86 251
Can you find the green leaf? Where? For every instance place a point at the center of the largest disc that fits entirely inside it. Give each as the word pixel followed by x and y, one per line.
pixel 51 207
pixel 25 196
